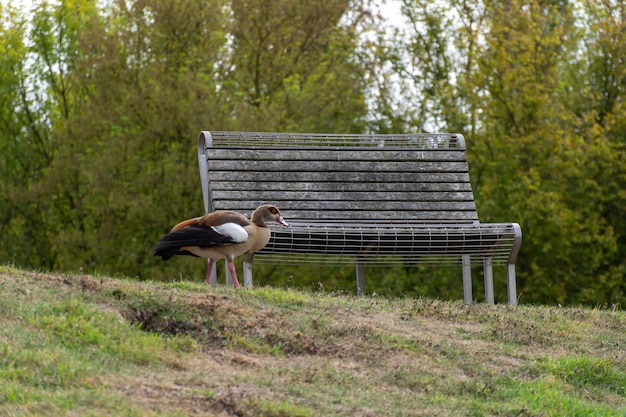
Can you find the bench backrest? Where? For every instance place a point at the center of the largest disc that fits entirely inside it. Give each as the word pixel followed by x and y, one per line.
pixel 326 178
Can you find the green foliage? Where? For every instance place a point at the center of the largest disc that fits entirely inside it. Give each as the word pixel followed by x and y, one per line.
pixel 552 182
pixel 533 86
pixel 296 69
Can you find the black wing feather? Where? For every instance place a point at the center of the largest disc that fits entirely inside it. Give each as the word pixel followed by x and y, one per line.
pixel 194 235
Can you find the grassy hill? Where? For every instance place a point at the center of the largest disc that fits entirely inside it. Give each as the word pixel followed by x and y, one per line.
pixel 78 345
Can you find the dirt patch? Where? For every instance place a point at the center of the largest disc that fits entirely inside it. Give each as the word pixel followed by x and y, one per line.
pixel 151 320
pixel 164 397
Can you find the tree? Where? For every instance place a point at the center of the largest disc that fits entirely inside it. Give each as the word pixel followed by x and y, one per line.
pixel 38 89
pixel 294 66
pixel 539 152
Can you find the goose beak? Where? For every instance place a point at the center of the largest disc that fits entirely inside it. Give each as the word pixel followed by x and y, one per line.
pixel 282 221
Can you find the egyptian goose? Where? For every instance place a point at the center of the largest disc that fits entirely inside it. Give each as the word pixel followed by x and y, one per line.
pixel 220 235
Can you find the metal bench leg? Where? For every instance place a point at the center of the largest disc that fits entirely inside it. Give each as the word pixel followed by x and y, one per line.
pixel 360 279
pixel 511 284
pixel 467 279
pixel 488 262
pixel 247 270
pixel 213 278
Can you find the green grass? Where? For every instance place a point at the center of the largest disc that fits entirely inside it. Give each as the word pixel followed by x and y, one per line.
pixel 96 346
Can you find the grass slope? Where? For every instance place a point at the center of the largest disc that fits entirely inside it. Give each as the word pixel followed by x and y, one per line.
pixel 77 345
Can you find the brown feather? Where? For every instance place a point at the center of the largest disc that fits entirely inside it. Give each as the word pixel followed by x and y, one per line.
pixel 220 217
pixel 185 223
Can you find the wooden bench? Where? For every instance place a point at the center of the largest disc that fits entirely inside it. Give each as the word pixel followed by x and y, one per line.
pixel 360 199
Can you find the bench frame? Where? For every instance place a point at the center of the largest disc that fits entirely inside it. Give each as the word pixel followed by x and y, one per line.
pixel 433 232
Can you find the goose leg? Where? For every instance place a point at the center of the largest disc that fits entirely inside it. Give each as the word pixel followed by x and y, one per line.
pixel 233 273
pixel 209 271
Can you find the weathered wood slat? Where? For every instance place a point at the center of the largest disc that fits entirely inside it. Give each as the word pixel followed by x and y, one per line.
pixel 337 166
pixel 415 187
pixel 341 177
pixel 441 198
pixel 336 154
pixel 392 205
pixel 371 214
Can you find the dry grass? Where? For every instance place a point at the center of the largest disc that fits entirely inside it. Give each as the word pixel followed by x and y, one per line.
pixel 84 345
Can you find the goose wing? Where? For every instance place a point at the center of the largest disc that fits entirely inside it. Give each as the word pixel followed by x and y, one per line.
pixel 199 235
